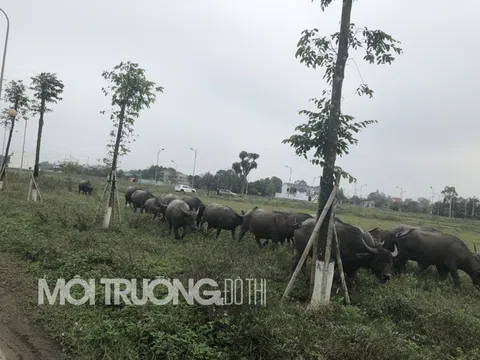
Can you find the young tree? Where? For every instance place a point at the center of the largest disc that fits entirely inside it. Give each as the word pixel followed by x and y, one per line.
pixel 328 131
pixel 449 194
pixel 47 89
pixel 69 167
pixel 243 167
pixel 130 92
pixel 208 181
pixel 16 97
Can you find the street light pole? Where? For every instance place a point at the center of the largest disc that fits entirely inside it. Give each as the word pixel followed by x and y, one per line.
pixel 175 169
pixel 4 51
pixel 289 181
pixel 156 169
pixel 194 163
pixel 401 192
pixel 361 188
pixel 23 146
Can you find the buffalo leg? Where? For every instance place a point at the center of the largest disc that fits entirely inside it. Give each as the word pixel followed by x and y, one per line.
pixel 453 271
pixel 257 239
pixel 185 230
pixel 175 232
pixel 442 272
pixel 169 227
pixel 233 234
pixel 218 232
pixel 154 216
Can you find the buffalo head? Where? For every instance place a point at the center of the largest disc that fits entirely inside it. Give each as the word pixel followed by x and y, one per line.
pixel 381 259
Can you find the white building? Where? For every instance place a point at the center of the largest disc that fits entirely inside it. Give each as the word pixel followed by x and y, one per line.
pixel 295 195
pixel 16 160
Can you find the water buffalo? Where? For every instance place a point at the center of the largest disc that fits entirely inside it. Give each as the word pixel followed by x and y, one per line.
pixel 168 198
pixel 447 252
pixel 179 214
pixel 195 203
pixel 138 199
pixel 358 250
pixel 85 187
pixel 275 226
pixel 154 206
pixel 128 195
pixel 387 237
pixel 299 217
pixel 221 217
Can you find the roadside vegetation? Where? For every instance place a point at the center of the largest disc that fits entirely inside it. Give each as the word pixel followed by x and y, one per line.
pixel 414 316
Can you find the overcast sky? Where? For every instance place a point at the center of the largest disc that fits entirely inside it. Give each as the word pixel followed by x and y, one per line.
pixel 232 83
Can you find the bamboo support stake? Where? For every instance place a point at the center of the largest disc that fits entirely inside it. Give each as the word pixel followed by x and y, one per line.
pixel 310 241
pixel 340 265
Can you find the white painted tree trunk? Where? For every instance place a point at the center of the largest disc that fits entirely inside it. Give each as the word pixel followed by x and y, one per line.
pixel 34 194
pixel 1 185
pixel 108 216
pixel 323 284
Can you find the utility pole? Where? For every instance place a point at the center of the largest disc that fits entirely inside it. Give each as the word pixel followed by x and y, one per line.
pixel 289 181
pixel 156 169
pixel 194 163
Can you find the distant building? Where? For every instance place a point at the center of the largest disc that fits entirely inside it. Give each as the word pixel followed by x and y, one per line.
pixel 173 177
pixel 368 203
pixel 305 195
pixel 396 200
pixel 16 160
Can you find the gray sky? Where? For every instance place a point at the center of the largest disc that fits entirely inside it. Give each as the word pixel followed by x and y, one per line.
pixel 232 83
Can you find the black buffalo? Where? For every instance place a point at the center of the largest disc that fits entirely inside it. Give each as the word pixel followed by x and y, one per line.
pixel 275 226
pixel 221 217
pixel 138 199
pixel 358 250
pixel 128 195
pixel 85 187
pixel 154 206
pixel 195 204
pixel 446 252
pixel 179 215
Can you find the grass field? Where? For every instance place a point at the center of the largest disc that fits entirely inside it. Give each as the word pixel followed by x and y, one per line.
pixel 411 317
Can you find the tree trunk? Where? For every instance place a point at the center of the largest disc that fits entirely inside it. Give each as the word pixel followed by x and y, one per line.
pixel 115 155
pixel 327 180
pixel 15 106
pixel 39 140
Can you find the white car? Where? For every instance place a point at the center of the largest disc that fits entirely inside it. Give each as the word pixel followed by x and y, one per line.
pixel 185 188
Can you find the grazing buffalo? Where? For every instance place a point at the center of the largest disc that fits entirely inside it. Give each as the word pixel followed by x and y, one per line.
pixel 138 199
pixel 275 226
pixel 358 250
pixel 299 217
pixel 85 187
pixel 195 203
pixel 128 195
pixel 178 215
pixel 221 217
pixel 154 206
pixel 447 252
pixel 476 255
pixel 168 198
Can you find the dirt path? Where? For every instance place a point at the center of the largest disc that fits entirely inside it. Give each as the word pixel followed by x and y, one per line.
pixel 19 338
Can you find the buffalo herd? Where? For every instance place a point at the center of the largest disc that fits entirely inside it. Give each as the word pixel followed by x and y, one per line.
pixel 383 252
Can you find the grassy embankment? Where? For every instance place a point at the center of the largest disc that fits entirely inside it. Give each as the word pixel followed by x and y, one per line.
pixel 411 317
